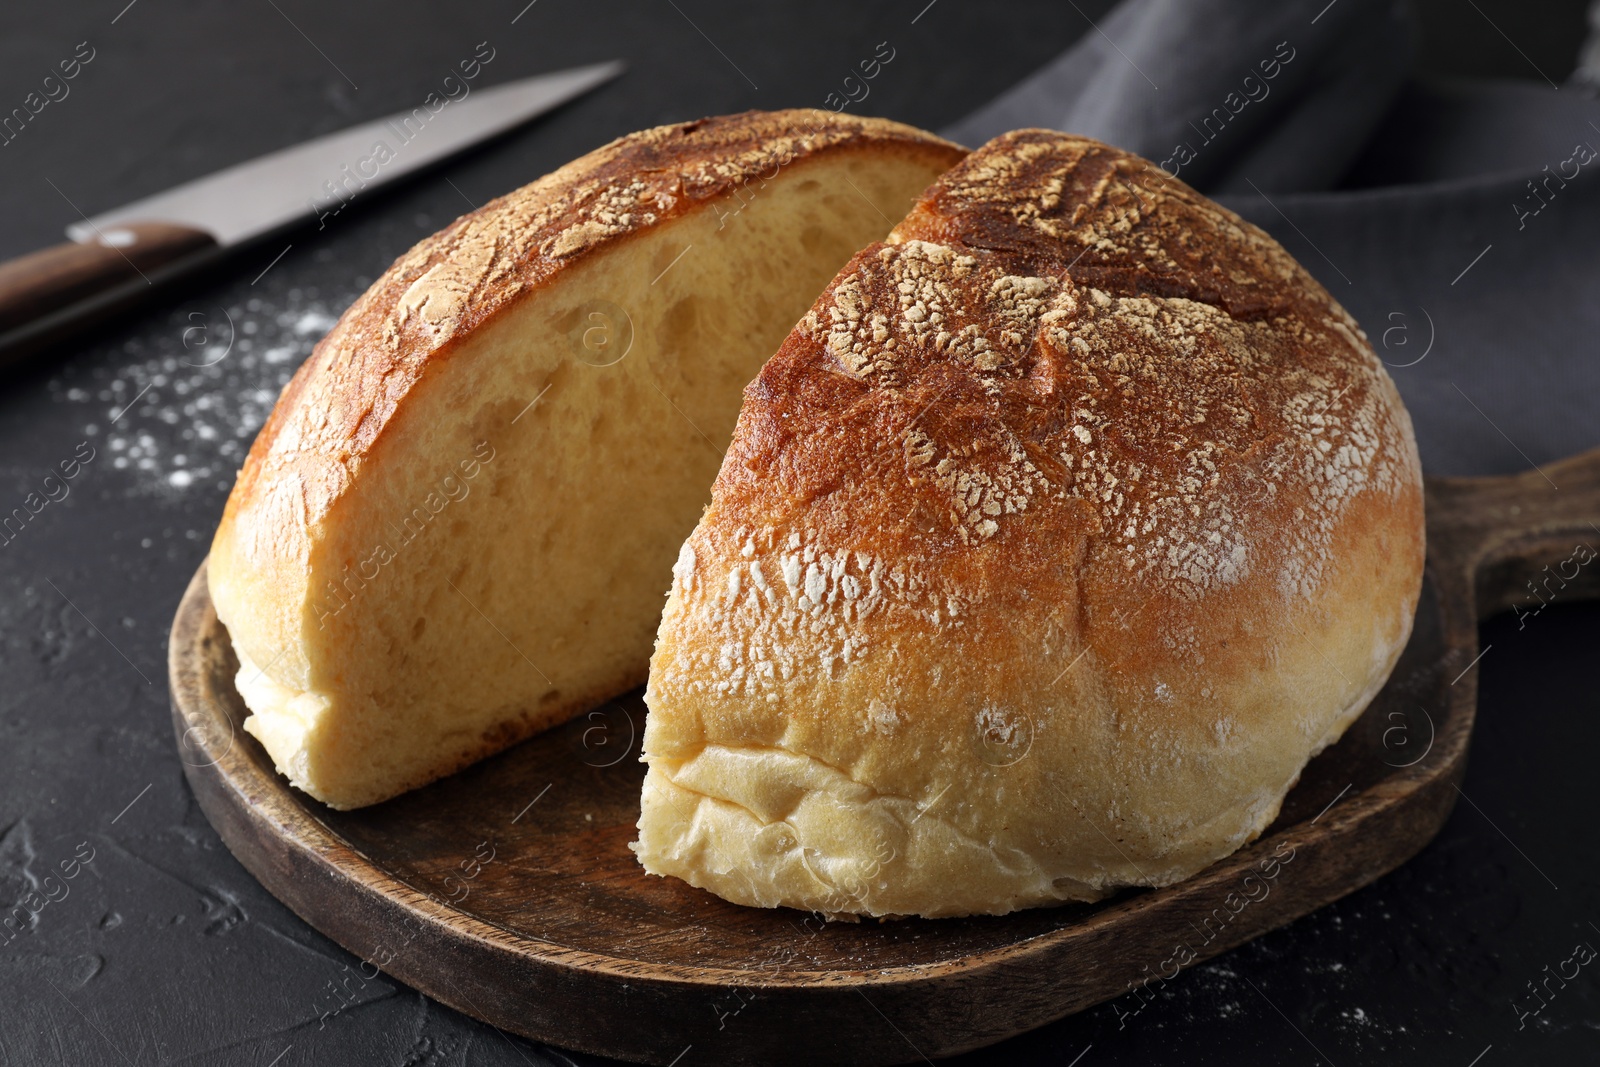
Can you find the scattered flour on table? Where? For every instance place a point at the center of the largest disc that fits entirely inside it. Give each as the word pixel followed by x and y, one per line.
pixel 184 408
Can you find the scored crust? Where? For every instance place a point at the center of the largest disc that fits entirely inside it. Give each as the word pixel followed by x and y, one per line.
pixel 1067 526
pixel 350 413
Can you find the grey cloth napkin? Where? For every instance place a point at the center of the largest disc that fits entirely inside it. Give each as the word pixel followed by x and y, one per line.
pixel 1460 223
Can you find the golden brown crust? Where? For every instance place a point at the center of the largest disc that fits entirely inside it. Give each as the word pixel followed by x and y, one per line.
pixel 453 283
pixel 1075 457
pixel 1041 201
pixel 1091 369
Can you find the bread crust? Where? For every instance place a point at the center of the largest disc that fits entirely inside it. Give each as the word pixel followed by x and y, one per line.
pixel 1069 524
pixel 335 411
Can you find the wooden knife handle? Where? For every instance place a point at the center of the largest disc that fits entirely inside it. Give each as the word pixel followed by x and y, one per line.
pixel 38 283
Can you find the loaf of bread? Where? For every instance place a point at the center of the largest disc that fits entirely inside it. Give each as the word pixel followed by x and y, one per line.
pixel 457 526
pixel 1069 523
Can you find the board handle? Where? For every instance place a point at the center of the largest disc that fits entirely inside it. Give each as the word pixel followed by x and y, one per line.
pixel 1521 542
pixel 34 285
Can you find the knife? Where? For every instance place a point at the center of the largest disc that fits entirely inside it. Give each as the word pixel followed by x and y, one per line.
pixel 119 258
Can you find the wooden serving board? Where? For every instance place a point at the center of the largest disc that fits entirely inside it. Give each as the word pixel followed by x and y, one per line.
pixel 508 892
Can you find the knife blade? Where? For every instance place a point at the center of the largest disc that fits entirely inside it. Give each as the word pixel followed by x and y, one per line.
pixel 117 258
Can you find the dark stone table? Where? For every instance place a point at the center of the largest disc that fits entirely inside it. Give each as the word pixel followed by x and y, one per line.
pixel 164 950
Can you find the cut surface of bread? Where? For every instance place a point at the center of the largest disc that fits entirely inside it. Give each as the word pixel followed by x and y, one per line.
pixel 1064 529
pixel 458 524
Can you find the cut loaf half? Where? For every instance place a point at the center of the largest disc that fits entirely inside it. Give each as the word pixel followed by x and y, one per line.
pixel 458 524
